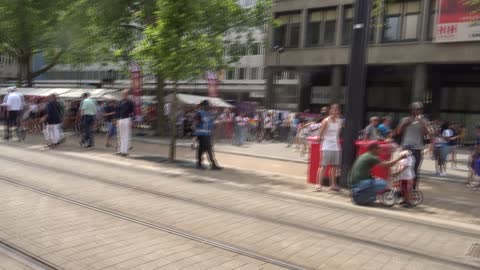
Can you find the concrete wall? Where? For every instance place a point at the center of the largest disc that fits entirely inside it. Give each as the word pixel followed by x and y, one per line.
pixel 379 54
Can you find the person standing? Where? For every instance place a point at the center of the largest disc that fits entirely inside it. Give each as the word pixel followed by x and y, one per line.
pixel 268 124
pixel 384 128
pixel 109 116
pixel 53 120
pixel 414 129
pixel 203 132
pixel 88 112
pixel 371 131
pixel 329 138
pixel 125 109
pixel 14 103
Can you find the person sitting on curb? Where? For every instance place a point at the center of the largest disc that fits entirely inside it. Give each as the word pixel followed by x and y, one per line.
pixel 364 186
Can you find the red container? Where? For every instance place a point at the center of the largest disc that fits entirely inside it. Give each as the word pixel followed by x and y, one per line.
pixel 385 155
pixel 362 146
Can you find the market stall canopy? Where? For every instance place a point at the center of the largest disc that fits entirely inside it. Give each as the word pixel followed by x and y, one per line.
pixel 195 100
pixel 65 93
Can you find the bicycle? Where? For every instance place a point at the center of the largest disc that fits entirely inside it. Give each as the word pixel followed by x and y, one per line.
pixel 393 196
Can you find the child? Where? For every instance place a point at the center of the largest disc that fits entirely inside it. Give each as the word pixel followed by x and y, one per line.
pixel 406 174
pixel 475 160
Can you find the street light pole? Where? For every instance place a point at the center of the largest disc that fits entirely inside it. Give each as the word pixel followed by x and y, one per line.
pixel 355 96
pixel 278 50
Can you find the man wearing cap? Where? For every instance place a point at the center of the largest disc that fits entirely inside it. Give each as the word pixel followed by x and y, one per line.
pixel 203 131
pixel 414 129
pixel 364 186
pixel 14 102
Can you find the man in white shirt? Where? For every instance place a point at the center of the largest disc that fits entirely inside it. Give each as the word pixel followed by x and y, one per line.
pixel 14 103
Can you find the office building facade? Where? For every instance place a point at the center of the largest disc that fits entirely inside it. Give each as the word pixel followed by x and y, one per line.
pixel 405 63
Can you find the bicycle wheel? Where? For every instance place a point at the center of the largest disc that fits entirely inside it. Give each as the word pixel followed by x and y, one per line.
pixel 388 198
pixel 416 197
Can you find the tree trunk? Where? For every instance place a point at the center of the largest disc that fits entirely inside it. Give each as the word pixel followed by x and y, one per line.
pixel 173 126
pixel 160 94
pixel 28 72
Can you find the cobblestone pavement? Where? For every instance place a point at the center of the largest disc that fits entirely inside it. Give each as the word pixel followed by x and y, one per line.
pixel 126 195
pixel 446 201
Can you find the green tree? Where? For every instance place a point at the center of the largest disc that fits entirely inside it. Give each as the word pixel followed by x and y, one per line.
pixel 54 28
pixel 187 39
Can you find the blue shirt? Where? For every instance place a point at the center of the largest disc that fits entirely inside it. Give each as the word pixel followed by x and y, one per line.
pixel 204 126
pixel 384 130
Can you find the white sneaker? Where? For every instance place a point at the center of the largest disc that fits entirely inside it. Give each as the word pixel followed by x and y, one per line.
pixel 443 174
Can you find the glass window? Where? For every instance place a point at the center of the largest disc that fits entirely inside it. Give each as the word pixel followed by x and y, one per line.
pixel 288 33
pixel 294 41
pixel 391 30
pixel 313 33
pixel 347 26
pixel 321 27
pixel 280 36
pixel 241 74
pixel 402 20
pixel 254 74
pixel 231 74
pixel 254 49
pixel 411 26
pixel 329 37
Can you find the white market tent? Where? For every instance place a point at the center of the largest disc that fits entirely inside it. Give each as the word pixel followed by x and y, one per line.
pixel 185 99
pixel 63 93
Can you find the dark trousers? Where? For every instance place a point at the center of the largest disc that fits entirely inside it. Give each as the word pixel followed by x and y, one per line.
pixel 417 154
pixel 205 145
pixel 87 123
pixel 12 121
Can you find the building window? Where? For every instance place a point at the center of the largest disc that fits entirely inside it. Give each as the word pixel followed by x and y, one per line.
pixel 254 74
pixel 231 74
pixel 288 33
pixel 432 20
pixel 321 27
pixel 402 20
pixel 347 26
pixel 254 48
pixel 242 73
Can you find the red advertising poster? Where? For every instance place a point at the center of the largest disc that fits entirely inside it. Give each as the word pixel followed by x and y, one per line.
pixel 137 89
pixel 457 21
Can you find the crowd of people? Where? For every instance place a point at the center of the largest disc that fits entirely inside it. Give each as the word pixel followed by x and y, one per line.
pixel 414 134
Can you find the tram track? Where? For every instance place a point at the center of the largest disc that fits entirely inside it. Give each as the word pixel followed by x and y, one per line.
pixel 323 231
pixel 136 220
pixel 25 257
pixel 224 186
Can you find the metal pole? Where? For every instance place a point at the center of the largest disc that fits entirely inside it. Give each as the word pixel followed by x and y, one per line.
pixel 355 96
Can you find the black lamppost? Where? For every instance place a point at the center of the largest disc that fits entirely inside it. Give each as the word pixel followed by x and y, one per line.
pixel 278 50
pixel 355 96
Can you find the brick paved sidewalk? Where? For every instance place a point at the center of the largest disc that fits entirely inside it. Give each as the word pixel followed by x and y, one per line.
pixel 445 200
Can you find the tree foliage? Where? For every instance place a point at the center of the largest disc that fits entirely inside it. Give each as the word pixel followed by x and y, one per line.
pixel 187 39
pixel 54 28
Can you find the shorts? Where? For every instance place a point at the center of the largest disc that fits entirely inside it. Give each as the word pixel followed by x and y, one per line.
pixel 331 157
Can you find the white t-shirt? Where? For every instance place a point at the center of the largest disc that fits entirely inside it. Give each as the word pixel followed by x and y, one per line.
pixel 14 102
pixel 406 165
pixel 330 136
pixel 268 122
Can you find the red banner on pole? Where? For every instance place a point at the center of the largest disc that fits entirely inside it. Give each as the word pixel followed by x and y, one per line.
pixel 213 82
pixel 137 89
